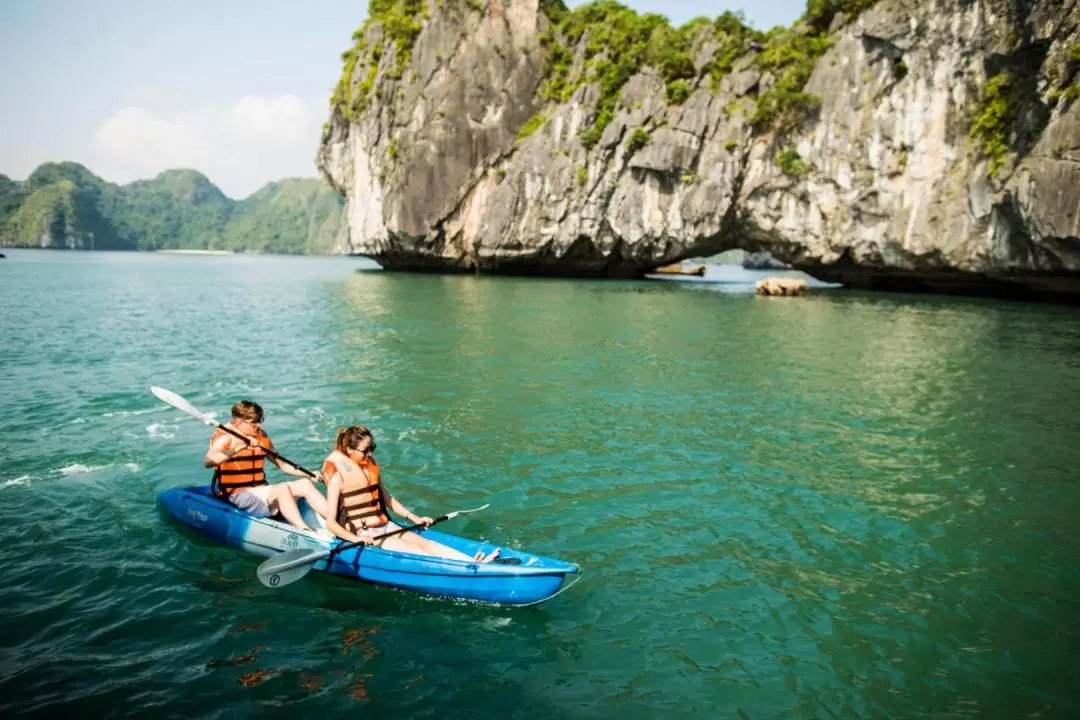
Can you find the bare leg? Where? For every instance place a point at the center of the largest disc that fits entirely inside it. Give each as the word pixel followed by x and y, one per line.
pixel 285 503
pixel 410 542
pixel 307 490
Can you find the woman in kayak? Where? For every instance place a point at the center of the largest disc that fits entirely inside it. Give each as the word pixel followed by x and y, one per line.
pixel 357 501
pixel 239 474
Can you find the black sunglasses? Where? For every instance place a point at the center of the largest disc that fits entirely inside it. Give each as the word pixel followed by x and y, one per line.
pixel 371 449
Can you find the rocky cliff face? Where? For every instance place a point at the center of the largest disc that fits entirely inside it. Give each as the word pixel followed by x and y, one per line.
pixel 908 144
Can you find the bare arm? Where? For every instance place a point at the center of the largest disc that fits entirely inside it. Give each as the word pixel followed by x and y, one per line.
pixel 394 504
pixel 221 451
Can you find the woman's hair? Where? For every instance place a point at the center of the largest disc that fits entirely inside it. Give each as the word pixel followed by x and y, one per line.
pixel 349 437
pixel 248 410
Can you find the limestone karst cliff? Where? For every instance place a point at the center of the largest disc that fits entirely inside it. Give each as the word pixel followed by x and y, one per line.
pixel 904 144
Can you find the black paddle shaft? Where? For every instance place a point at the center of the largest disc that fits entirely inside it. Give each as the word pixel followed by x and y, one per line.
pixel 270 452
pixel 418 526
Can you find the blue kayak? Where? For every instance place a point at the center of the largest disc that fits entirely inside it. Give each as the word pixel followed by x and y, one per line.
pixel 528 580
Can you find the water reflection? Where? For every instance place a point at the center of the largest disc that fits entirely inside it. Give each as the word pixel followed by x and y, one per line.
pixel 835 505
pixel 853 452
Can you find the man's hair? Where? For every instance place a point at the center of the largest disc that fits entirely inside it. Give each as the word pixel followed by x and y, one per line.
pixel 248 410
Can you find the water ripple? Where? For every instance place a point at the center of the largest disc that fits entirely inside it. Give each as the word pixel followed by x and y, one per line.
pixel 847 506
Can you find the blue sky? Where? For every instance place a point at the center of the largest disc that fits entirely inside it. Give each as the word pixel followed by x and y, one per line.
pixel 235 88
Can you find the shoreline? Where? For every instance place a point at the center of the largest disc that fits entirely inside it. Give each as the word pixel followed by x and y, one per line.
pixel 173 251
pixel 194 252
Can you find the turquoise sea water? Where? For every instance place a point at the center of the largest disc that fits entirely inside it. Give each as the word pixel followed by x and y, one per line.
pixel 834 506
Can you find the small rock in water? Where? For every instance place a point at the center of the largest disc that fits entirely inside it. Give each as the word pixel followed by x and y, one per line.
pixel 780 286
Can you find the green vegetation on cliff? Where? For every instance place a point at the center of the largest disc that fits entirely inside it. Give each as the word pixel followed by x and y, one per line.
pixel 638 139
pixel 992 125
pixel 65 205
pixel 790 56
pixel 734 40
pixel 531 125
pixel 790 163
pixel 821 13
pixel 617 43
pixel 394 22
pixel 605 43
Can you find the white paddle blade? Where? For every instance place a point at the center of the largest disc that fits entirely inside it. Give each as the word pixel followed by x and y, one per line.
pixel 167 396
pixel 454 514
pixel 288 567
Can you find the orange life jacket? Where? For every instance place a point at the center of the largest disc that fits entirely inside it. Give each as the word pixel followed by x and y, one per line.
pixel 362 502
pixel 242 470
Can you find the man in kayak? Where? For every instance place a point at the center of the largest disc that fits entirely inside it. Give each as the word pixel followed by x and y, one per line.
pixel 240 477
pixel 357 501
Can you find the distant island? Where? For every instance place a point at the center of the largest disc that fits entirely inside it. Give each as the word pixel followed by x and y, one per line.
pixel 64 205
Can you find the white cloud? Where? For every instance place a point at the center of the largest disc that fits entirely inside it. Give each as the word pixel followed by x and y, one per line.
pixel 280 122
pixel 239 148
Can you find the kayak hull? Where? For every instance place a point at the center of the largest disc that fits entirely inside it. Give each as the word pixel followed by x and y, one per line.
pixel 535 579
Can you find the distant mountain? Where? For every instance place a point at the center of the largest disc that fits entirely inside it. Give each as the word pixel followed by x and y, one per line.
pixel 64 205
pixel 278 213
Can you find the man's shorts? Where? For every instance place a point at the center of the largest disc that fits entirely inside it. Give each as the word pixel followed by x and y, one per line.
pixel 255 500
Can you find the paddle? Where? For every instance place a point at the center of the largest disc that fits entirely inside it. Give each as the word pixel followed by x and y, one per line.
pixel 288 567
pixel 184 406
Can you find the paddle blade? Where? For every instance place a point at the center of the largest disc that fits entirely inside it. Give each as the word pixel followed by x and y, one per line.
pixel 454 514
pixel 288 567
pixel 167 396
